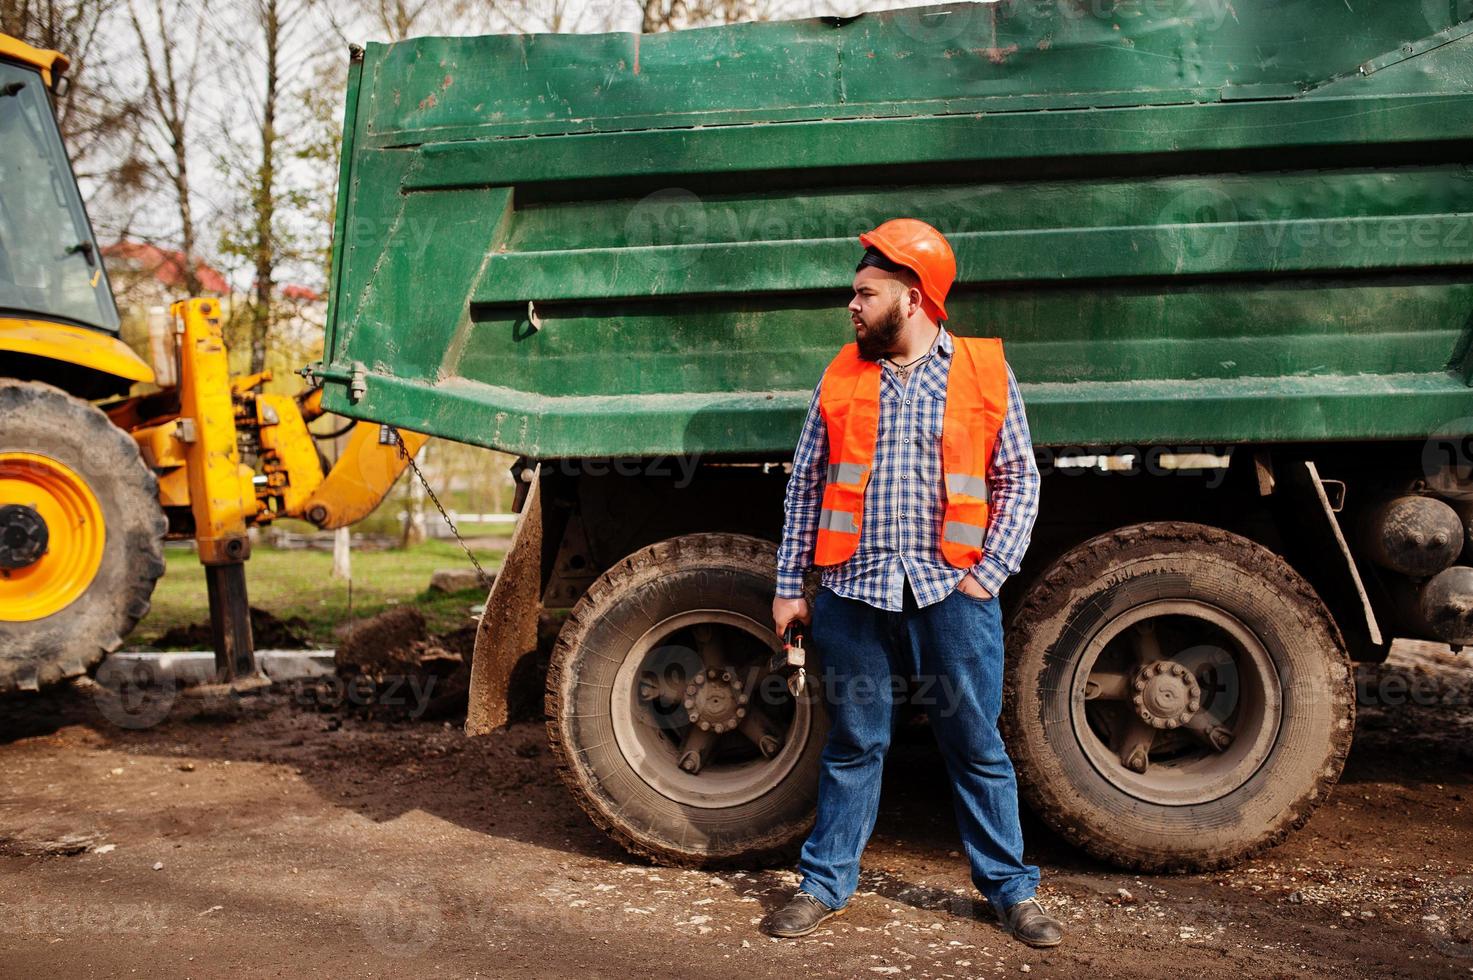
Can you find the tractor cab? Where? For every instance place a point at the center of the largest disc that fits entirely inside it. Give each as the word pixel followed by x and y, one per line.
pixel 58 320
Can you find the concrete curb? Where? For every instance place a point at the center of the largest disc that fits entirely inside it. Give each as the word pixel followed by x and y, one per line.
pixel 187 667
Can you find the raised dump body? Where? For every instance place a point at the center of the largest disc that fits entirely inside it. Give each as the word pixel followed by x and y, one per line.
pixel 1227 247
pixel 1235 225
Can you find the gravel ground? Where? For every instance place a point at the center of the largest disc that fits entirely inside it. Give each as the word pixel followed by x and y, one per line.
pixel 265 835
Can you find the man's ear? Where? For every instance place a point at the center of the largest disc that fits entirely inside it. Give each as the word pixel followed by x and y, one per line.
pixel 916 299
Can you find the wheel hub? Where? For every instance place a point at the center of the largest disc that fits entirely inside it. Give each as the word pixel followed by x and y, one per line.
pixel 43 576
pixel 714 700
pixel 23 536
pixel 666 703
pixel 1166 694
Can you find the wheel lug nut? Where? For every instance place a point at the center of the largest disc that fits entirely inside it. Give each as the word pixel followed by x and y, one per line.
pixel 689 703
pixel 705 726
pixel 700 678
pixel 741 712
pixel 741 699
pixel 711 673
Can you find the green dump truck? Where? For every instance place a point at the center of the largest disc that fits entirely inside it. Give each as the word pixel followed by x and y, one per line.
pixel 1228 249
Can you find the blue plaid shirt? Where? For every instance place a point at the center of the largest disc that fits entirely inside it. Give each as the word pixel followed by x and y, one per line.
pixel 904 502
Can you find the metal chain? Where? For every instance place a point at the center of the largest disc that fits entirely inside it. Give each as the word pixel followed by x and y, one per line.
pixel 480 572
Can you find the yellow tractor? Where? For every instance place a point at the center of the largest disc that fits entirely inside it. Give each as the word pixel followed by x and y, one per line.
pixel 93 481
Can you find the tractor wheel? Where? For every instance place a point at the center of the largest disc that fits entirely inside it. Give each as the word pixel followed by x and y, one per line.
pixel 1177 698
pixel 81 535
pixel 669 730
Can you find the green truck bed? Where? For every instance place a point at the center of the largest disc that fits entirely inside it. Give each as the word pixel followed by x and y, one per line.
pixel 1218 224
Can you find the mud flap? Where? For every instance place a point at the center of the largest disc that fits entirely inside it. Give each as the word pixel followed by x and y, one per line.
pixel 508 628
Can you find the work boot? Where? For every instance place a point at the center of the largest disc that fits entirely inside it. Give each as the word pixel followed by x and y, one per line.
pixel 799 917
pixel 1029 923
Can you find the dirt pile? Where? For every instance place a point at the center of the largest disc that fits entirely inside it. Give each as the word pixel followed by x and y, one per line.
pixel 391 664
pixel 270 633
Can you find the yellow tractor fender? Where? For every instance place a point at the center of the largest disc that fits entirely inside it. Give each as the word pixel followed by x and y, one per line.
pixel 80 346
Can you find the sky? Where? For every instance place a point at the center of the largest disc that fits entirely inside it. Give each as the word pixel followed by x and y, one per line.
pixel 218 40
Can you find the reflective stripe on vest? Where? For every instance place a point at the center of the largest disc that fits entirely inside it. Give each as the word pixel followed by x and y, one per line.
pixel 846 472
pixel 976 402
pixel 837 520
pixel 974 486
pixel 968 534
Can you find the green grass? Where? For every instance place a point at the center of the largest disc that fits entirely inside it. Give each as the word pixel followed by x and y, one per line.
pixel 300 583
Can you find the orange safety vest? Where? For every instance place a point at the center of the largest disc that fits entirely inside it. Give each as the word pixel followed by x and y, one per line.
pixel 976 401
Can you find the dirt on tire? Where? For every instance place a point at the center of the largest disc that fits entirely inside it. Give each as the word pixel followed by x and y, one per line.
pixel 37 418
pixel 696 571
pixel 1105 577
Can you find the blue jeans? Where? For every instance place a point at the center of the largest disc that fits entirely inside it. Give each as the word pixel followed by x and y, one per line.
pixel 955 648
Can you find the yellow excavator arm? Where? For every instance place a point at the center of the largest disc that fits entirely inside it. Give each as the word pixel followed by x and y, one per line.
pixel 355 484
pixel 192 435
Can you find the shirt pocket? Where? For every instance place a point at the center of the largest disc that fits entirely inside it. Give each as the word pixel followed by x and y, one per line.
pixel 932 414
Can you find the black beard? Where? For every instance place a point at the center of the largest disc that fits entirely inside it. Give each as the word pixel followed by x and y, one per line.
pixel 881 338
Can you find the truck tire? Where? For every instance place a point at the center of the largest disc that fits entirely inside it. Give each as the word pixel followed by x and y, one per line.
pixel 676 635
pixel 81 535
pixel 1199 648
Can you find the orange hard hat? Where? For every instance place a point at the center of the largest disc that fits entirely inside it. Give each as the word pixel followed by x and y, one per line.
pixel 921 249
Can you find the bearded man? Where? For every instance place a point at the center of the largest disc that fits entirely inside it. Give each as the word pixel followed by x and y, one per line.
pixel 915 489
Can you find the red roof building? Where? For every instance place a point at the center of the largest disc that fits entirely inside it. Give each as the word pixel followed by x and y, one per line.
pixel 164 265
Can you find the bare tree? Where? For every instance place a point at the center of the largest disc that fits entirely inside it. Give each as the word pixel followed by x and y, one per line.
pixel 169 92
pixel 268 73
pixel 96 111
pixel 674 15
pixel 263 200
pixel 397 18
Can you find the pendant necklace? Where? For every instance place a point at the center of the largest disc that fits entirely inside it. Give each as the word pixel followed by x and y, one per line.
pixel 902 371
